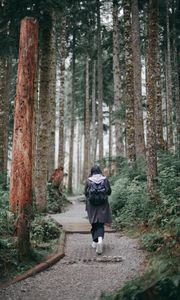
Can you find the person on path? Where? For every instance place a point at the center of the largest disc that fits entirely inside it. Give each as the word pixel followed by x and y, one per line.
pixel 98 214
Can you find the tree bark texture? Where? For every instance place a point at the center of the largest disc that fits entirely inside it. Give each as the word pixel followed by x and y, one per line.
pixel 71 144
pixel 86 124
pixel 110 137
pixel 169 83
pixel 117 81
pixel 129 93
pixel 44 126
pixel 138 110
pixel 93 155
pixel 176 82
pixel 62 96
pixel 151 97
pixel 52 97
pixel 21 171
pixel 100 88
pixel 159 117
pixel 3 115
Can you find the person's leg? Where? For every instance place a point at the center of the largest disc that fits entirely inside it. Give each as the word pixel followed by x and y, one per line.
pixel 100 235
pixel 93 232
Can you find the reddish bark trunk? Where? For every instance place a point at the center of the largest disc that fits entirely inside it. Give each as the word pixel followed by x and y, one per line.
pixel 21 172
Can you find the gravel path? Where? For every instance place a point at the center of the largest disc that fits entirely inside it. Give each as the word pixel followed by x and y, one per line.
pixel 81 274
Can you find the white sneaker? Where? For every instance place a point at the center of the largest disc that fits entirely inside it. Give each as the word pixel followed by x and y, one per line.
pixel 94 245
pixel 99 247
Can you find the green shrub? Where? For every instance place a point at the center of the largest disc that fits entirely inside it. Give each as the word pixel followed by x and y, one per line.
pixel 44 230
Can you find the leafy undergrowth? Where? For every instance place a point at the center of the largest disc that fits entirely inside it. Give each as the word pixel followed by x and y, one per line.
pixel 44 235
pixel 157 223
pixel 57 201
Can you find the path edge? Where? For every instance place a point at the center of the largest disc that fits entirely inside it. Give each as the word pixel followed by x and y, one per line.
pixel 48 262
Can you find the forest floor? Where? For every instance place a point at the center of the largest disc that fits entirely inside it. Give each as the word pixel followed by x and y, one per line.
pixel 82 274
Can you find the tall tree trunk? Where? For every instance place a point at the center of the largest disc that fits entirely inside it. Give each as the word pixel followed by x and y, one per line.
pixel 110 137
pixel 52 97
pixel 117 82
pixel 86 124
pixel 100 88
pixel 176 82
pixel 151 98
pixel 138 110
pixel 21 171
pixel 159 118
pixel 3 106
pixel 169 82
pixel 43 131
pixel 130 129
pixel 71 144
pixel 93 157
pixel 61 101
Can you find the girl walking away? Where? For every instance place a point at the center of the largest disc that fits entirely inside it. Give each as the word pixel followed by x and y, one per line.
pixel 97 189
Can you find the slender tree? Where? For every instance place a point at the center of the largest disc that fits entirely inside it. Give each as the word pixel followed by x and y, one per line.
pixel 138 110
pixel 169 83
pixel 71 144
pixel 21 171
pixel 117 82
pixel 86 124
pixel 52 96
pixel 43 126
pixel 62 95
pixel 100 87
pixel 151 154
pixel 129 93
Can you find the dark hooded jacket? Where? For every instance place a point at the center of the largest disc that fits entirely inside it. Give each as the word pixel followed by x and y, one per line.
pixel 102 213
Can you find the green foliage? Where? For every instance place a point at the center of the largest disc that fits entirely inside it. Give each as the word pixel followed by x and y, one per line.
pixel 56 201
pixel 44 230
pixel 131 206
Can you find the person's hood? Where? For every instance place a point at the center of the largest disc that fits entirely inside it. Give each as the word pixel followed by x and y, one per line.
pixel 97 178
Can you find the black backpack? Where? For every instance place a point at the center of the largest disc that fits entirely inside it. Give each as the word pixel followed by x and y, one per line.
pixel 97 193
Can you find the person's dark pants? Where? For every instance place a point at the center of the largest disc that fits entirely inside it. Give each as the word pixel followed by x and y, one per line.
pixel 97 230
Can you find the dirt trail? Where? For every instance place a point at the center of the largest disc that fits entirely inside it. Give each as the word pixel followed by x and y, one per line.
pixel 82 274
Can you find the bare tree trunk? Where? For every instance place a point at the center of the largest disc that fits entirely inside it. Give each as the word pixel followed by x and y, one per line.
pixel 21 172
pixel 2 113
pixel 71 144
pixel 151 99
pixel 138 110
pixel 100 88
pixel 169 82
pixel 43 130
pixel 86 124
pixel 176 82
pixel 159 118
pixel 117 82
pixel 52 97
pixel 130 129
pixel 110 137
pixel 61 102
pixel 93 158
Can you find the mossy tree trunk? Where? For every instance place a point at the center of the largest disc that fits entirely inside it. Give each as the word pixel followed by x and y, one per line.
pixel 21 171
pixel 151 154
pixel 138 110
pixel 62 96
pixel 4 116
pixel 117 81
pixel 129 92
pixel 43 124
pixel 52 97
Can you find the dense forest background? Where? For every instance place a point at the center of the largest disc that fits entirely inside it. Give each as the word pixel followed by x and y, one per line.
pixel 93 82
